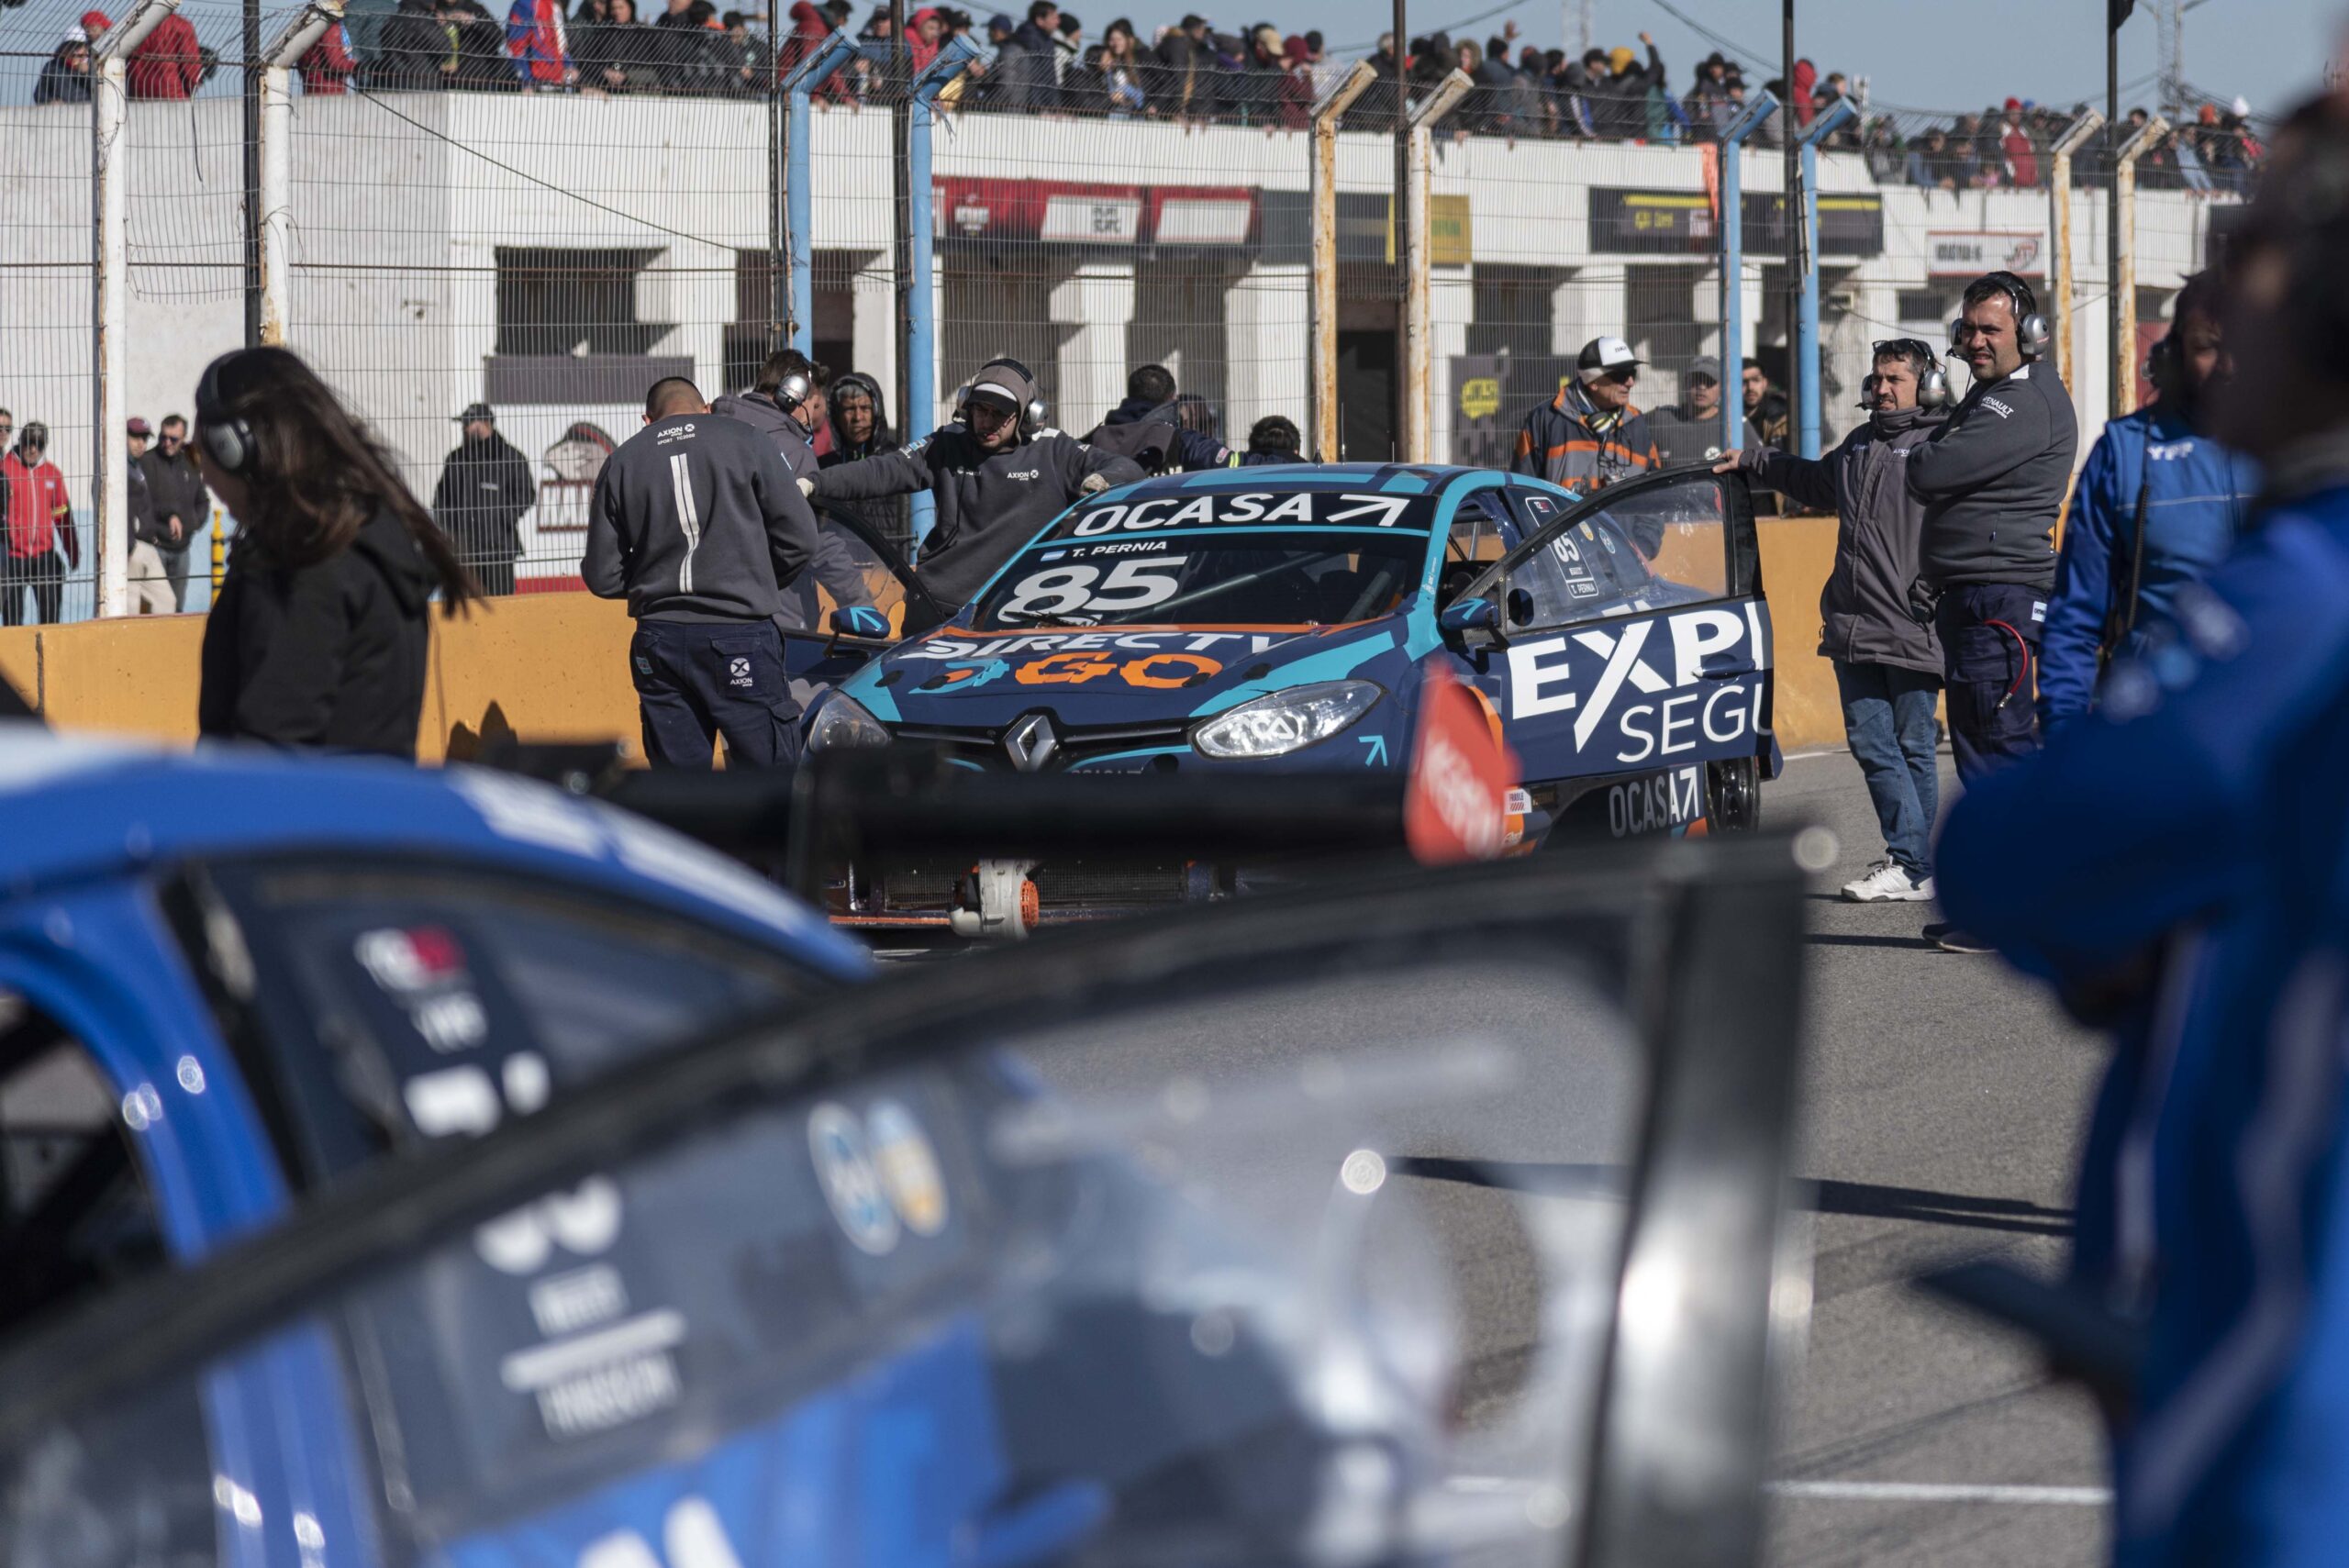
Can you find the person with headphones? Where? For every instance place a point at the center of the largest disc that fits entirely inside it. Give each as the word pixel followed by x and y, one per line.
pixel 788 406
pixel 2157 506
pixel 2172 867
pixel 1992 479
pixel 1887 666
pixel 320 633
pixel 998 477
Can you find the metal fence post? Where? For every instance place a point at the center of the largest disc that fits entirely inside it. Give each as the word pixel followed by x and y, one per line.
pixel 110 296
pixel 2059 196
pixel 921 374
pixel 1322 298
pixel 2125 282
pixel 277 160
pixel 1419 414
pixel 806 77
pixel 1807 379
pixel 1757 109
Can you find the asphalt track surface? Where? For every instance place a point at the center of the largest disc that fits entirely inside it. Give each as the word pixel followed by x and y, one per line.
pixel 1943 1102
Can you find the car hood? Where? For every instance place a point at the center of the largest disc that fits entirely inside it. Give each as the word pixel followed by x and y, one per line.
pixel 1117 677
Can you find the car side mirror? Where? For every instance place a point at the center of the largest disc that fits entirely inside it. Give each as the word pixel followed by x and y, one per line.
pixel 867 621
pixel 1521 606
pixel 1467 621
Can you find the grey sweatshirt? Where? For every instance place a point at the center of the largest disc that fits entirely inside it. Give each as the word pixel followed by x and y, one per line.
pixel 1993 479
pixel 835 563
pixel 696 518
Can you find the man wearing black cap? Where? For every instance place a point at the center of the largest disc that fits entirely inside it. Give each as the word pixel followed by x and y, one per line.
pixel 997 481
pixel 1589 435
pixel 485 489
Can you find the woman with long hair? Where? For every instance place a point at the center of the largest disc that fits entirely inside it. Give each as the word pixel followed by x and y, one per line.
pixel 319 632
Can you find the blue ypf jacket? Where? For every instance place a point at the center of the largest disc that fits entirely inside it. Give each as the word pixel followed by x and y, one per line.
pixel 2197 493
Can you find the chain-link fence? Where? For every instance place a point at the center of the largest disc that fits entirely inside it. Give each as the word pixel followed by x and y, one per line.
pixel 543 216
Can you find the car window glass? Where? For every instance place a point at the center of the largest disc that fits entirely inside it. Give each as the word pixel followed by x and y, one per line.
pixel 75 1214
pixel 402 1006
pixel 1654 548
pixel 1483 530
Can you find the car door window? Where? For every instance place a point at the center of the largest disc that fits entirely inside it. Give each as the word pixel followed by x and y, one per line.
pixel 1483 531
pixel 75 1214
pixel 394 1007
pixel 1650 547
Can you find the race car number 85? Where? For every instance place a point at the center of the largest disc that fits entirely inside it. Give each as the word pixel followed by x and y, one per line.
pixel 1065 590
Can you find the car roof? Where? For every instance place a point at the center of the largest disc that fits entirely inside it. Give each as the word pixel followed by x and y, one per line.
pixel 88 808
pixel 1395 478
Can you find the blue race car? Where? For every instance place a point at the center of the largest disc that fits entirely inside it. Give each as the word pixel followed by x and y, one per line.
pixel 227 981
pixel 1285 620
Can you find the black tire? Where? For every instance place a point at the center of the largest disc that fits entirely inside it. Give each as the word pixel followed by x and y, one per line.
pixel 1733 795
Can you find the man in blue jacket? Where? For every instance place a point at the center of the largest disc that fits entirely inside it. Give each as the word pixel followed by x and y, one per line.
pixel 2177 863
pixel 2157 506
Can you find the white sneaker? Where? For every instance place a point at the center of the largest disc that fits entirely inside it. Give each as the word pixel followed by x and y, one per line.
pixel 1887 883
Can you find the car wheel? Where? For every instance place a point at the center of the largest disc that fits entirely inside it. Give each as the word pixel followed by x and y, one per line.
pixel 1733 795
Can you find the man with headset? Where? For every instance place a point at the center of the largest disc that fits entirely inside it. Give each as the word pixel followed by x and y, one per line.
pixel 1887 666
pixel 997 478
pixel 1992 479
pixel 787 406
pixel 2157 506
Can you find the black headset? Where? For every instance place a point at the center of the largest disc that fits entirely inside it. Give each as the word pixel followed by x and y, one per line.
pixel 795 389
pixel 1932 381
pixel 2164 363
pixel 1031 417
pixel 2033 332
pixel 228 440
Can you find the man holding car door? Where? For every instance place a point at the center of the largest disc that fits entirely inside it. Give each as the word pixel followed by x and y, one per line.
pixel 1888 665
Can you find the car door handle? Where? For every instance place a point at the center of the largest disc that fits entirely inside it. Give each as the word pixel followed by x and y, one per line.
pixel 1722 674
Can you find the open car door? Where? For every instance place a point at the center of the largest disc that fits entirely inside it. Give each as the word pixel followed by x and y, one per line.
pixel 1418 1219
pixel 1633 639
pixel 854 566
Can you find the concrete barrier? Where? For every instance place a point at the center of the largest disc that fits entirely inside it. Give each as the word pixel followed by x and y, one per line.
pixel 554 666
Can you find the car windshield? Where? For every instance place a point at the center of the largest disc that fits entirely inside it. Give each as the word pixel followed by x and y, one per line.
pixel 1242 576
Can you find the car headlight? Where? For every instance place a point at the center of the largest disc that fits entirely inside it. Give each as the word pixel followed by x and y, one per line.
pixel 1286 721
pixel 841 723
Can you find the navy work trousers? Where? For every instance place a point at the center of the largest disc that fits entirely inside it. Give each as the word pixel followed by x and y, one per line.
pixel 698 680
pixel 1990 649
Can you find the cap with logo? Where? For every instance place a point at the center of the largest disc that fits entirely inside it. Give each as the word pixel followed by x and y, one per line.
pixel 1602 357
pixel 1704 367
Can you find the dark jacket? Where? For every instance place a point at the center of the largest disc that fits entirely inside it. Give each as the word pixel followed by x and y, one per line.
pixel 834 563
pixel 1863 611
pixel 1569 441
pixel 626 48
pixel 1681 437
pixel 696 518
pixel 60 84
pixel 887 516
pixel 692 59
pixel 989 503
pixel 410 46
pixel 485 489
pixel 176 485
pixel 1992 479
pixel 1152 436
pixel 142 503
pixel 329 655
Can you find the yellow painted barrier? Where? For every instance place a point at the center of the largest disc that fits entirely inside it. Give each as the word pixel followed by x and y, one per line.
pixel 554 666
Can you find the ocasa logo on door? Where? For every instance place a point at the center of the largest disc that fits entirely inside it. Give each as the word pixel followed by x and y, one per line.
pixel 1641 689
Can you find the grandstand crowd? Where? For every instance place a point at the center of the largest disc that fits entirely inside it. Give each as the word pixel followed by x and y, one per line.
pixel 1045 61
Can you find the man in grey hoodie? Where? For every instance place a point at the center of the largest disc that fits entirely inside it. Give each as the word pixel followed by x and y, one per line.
pixel 786 406
pixel 998 482
pixel 1887 665
pixel 696 522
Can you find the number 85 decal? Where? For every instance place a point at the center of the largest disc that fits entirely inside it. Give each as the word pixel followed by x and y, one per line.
pixel 1131 585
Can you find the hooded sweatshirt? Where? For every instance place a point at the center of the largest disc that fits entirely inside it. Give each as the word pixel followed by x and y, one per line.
pixel 330 654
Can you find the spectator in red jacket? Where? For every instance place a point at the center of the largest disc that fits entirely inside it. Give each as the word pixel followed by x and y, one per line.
pixel 41 520
pixel 327 66
pixel 168 63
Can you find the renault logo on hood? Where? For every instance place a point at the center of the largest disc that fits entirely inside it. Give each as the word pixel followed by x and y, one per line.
pixel 1031 742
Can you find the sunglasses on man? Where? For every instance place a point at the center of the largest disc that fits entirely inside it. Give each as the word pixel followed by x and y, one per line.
pixel 1621 377
pixel 1903 348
